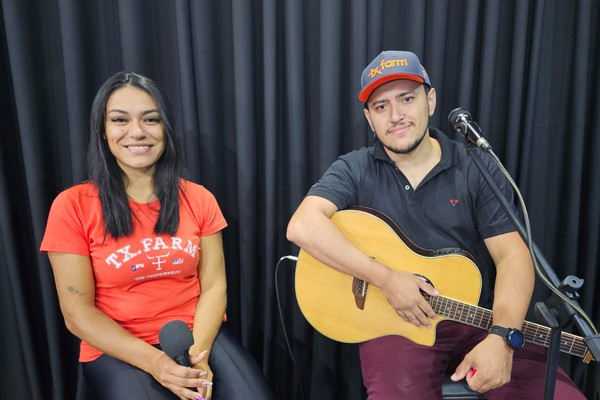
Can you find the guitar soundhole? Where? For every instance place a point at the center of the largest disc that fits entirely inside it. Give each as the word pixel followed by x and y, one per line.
pixel 425 279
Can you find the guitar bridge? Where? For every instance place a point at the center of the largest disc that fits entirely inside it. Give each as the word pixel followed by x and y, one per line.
pixel 359 289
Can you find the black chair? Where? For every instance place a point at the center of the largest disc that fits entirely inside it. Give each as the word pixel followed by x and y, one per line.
pixel 237 376
pixel 458 390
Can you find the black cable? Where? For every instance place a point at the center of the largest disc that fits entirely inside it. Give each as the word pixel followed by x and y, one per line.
pixel 287 342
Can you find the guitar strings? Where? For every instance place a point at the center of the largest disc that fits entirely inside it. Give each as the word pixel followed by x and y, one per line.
pixel 481 318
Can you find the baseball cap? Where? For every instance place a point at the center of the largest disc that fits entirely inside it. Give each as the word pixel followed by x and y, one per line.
pixel 389 66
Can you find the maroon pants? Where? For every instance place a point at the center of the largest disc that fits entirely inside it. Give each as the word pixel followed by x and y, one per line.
pixel 395 368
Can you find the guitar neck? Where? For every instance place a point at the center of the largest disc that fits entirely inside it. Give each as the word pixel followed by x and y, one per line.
pixel 482 318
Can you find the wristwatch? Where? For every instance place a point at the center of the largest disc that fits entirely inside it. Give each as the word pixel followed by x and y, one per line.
pixel 514 337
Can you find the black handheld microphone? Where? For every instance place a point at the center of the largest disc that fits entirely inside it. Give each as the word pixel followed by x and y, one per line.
pixel 461 120
pixel 175 340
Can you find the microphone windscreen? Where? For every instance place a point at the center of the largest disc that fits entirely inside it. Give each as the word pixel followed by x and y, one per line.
pixel 455 114
pixel 175 338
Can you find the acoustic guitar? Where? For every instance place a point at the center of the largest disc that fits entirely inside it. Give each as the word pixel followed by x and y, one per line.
pixel 350 310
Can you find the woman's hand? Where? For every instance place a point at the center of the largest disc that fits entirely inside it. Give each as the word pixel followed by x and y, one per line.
pixel 185 382
pixel 200 362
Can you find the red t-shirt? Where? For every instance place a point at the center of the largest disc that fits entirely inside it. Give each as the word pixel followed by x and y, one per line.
pixel 144 280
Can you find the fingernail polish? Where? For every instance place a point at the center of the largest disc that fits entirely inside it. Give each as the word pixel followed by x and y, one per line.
pixel 206 384
pixel 199 397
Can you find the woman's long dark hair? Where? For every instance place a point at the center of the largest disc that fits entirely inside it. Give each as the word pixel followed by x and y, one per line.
pixel 111 179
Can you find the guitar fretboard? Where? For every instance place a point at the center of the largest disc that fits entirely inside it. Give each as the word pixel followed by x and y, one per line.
pixel 482 318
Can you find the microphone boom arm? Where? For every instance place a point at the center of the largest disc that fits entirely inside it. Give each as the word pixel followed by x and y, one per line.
pixel 558 307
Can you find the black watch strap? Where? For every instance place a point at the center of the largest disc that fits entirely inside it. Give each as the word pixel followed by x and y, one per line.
pixel 499 330
pixel 514 337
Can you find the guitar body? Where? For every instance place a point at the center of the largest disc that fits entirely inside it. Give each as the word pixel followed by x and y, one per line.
pixel 326 298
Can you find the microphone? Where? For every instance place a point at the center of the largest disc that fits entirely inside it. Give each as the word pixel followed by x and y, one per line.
pixel 461 120
pixel 175 340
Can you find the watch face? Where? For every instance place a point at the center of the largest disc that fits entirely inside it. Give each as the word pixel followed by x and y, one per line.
pixel 515 339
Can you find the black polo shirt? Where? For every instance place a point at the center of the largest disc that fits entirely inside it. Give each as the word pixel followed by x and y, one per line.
pixel 452 207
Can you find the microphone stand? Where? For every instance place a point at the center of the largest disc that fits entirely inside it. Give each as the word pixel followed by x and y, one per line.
pixel 555 312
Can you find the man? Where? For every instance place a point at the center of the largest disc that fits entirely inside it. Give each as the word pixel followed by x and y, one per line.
pixel 433 192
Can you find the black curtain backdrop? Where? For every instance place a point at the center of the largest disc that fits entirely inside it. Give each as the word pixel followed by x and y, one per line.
pixel 265 94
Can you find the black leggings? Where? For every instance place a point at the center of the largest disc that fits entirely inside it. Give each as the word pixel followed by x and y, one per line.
pixel 108 378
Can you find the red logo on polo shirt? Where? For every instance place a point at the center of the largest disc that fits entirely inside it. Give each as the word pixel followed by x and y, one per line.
pixel 454 202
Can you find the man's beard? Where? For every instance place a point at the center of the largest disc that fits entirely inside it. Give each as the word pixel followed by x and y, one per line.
pixel 409 148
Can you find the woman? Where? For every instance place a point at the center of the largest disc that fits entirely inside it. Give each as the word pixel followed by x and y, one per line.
pixel 136 247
